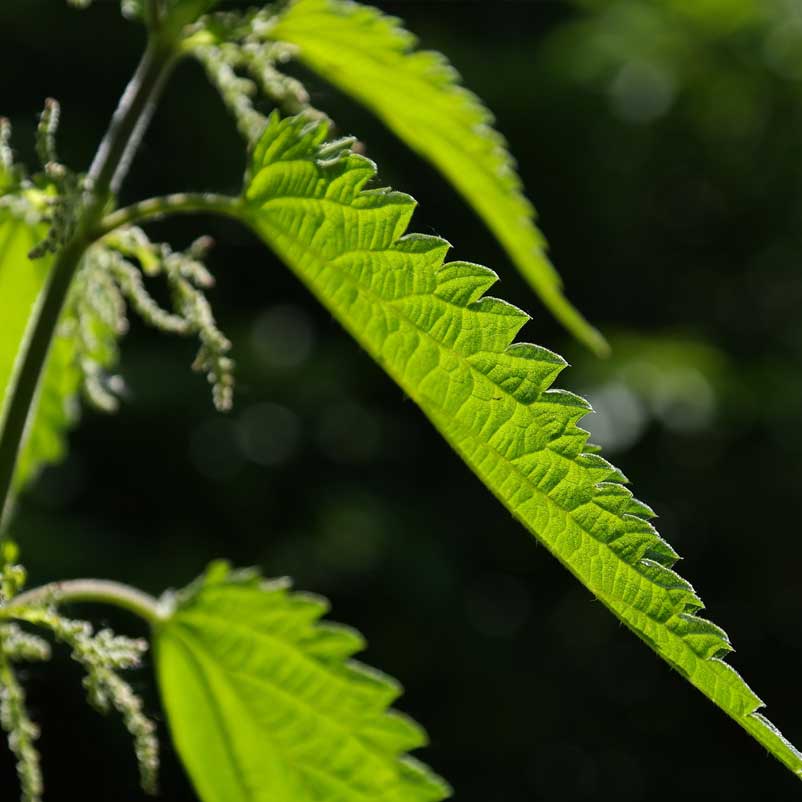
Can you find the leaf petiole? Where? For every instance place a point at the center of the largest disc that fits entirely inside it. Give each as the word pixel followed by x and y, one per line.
pixel 166 205
pixel 101 591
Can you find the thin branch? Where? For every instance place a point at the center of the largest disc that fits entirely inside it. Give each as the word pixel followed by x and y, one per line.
pixel 166 205
pixel 101 591
pixel 132 117
pixel 153 13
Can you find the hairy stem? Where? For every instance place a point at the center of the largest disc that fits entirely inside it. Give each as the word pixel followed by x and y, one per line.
pixel 179 203
pixel 154 10
pixel 131 119
pixel 105 175
pixel 99 591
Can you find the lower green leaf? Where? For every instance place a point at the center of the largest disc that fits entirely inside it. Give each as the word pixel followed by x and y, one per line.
pixel 264 703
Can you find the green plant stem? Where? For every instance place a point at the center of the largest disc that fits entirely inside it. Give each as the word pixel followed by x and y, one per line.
pixel 153 13
pixel 101 591
pixel 105 175
pixel 179 203
pixel 131 118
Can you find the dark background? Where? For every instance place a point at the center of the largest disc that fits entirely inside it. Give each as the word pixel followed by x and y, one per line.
pixel 662 145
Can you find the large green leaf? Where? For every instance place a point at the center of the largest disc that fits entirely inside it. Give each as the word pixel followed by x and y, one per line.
pixel 450 347
pixel 264 703
pixel 418 95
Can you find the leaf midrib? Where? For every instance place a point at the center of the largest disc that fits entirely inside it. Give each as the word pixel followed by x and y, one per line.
pixel 198 661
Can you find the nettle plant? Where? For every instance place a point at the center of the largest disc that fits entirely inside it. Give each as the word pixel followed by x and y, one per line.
pixel 263 699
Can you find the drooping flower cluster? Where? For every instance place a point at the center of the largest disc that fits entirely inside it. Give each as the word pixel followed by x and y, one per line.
pixel 102 655
pixel 112 274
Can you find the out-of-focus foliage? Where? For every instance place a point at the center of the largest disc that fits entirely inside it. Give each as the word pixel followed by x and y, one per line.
pixel 672 379
pixel 20 283
pixel 83 348
pixel 84 343
pixel 705 57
